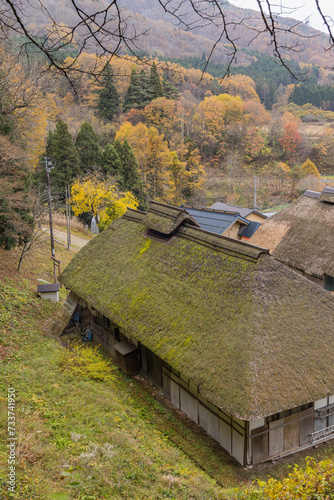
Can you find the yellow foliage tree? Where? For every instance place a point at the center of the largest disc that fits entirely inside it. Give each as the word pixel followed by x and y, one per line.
pixel 216 113
pixel 153 156
pixel 137 137
pixel 309 168
pixel 161 113
pixel 240 85
pixel 100 198
pixel 185 177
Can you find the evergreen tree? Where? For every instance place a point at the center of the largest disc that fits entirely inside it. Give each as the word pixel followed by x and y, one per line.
pixel 64 156
pixel 49 144
pixel 118 149
pixel 131 97
pixel 87 145
pixel 108 100
pixel 169 91
pixel 111 161
pixel 139 92
pixel 16 202
pixel 155 83
pixel 130 178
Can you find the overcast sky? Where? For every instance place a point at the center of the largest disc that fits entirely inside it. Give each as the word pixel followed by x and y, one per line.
pixel 306 9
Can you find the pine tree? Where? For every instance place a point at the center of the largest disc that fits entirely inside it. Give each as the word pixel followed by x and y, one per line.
pixel 130 178
pixel 111 161
pixel 139 92
pixel 64 156
pixel 16 202
pixel 87 145
pixel 131 98
pixel 169 91
pixel 155 83
pixel 118 148
pixel 108 100
pixel 49 144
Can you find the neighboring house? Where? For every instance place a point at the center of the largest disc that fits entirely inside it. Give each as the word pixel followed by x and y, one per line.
pixel 302 236
pixel 247 213
pixel 236 340
pixel 228 223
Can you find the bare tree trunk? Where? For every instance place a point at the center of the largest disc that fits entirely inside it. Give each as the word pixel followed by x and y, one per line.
pixel 24 249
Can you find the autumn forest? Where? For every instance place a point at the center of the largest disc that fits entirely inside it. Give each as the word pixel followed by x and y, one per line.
pixel 158 127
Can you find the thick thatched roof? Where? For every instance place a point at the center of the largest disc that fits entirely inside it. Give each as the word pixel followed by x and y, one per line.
pixel 255 337
pixel 302 235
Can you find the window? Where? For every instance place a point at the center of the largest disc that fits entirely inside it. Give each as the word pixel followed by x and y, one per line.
pixel 329 283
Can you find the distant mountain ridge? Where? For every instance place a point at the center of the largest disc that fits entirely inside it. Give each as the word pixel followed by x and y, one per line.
pixel 166 39
pixel 171 41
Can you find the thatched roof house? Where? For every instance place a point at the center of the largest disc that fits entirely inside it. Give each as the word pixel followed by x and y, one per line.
pixel 235 339
pixel 302 235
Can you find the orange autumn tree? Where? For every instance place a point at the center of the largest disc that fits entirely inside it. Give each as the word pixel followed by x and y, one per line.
pixel 291 139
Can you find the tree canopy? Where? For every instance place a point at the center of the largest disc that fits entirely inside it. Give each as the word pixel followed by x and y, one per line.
pixel 65 159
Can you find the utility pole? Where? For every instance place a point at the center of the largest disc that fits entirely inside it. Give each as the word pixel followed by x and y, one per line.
pixel 255 207
pixel 48 169
pixel 68 215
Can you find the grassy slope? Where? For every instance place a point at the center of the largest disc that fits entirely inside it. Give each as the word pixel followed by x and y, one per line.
pixel 53 410
pixel 91 440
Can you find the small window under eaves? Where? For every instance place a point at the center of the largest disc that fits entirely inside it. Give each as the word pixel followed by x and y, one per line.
pixel 329 283
pixel 152 233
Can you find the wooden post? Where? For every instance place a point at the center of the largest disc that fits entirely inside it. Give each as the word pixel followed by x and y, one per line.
pixel 56 263
pixel 48 170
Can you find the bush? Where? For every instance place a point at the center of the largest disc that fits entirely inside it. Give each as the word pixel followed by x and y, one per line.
pixel 85 362
pixel 314 482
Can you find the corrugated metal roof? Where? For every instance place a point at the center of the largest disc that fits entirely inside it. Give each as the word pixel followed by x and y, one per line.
pixel 244 212
pixel 215 221
pixel 52 287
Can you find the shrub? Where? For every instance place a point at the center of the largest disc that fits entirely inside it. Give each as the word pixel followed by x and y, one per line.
pixel 84 361
pixel 314 482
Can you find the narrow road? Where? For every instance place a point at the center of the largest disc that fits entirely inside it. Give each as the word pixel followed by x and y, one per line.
pixel 61 237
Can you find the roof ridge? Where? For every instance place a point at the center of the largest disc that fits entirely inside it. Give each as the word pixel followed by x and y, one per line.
pixel 221 243
pixel 217 242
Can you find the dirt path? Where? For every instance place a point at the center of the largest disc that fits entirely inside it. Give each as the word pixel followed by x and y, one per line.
pixel 61 237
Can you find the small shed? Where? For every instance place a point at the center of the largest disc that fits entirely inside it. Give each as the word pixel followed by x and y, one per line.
pixel 49 291
pixel 127 357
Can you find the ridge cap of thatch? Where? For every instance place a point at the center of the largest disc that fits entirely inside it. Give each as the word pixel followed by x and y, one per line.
pixel 182 226
pixel 311 194
pixel 327 195
pixel 328 189
pixel 166 219
pixel 221 243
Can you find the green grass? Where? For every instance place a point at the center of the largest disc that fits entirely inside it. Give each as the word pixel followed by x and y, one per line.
pixel 90 432
pixel 84 438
